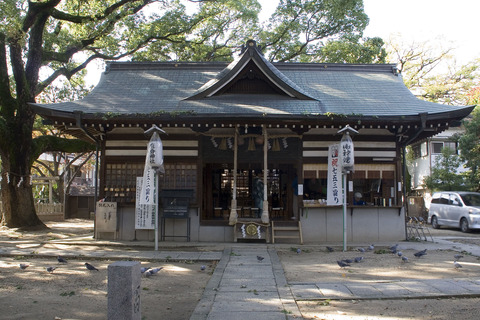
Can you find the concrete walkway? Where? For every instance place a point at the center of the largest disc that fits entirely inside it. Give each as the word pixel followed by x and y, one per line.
pixel 242 287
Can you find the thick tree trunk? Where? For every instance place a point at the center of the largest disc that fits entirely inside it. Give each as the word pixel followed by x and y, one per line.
pixel 18 208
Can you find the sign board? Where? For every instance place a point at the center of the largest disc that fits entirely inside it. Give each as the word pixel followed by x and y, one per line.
pixel 106 217
pixel 334 179
pixel 144 213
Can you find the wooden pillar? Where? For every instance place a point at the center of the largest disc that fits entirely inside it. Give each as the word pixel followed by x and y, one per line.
pixel 233 211
pixel 265 218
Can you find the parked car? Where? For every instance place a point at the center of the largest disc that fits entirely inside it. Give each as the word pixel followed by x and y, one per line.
pixel 455 209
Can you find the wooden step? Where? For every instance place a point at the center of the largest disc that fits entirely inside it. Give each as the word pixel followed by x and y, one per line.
pixel 276 229
pixel 287 229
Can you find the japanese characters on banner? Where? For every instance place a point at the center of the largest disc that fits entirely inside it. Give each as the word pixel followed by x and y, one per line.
pixel 334 183
pixel 153 162
pixel 144 213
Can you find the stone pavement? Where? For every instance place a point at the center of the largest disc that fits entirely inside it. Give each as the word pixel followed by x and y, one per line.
pixel 398 289
pixel 242 287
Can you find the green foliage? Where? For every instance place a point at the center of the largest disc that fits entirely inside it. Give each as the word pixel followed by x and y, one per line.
pixel 444 174
pixel 419 64
pixel 469 143
pixel 353 50
pixel 297 27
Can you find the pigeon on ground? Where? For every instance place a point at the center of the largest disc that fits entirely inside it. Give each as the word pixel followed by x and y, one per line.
pixel 342 264
pixel 260 258
pixel 371 247
pixel 361 249
pixel 203 268
pixel 394 247
pixel 347 260
pixel 143 269
pixel 61 260
pixel 358 259
pixel 399 253
pixel 404 259
pixel 24 266
pixel 152 272
pixel 420 253
pixel 90 267
pixel 155 270
pixel 330 249
pixel 457 265
pixel 299 251
pixel 51 269
pixel 458 256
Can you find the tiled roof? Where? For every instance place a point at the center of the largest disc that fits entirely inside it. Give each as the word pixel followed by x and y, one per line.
pixel 156 88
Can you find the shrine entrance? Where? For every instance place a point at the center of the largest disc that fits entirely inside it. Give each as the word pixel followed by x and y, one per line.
pixel 219 188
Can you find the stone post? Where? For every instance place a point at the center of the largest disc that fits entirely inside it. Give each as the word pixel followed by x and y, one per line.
pixel 124 291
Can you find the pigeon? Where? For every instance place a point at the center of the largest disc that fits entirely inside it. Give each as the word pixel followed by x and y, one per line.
pixel 143 269
pixel 361 249
pixel 458 257
pixel 420 253
pixel 260 258
pixel 330 249
pixel 203 268
pixel 299 251
pixel 399 253
pixel 61 260
pixel 51 269
pixel 155 270
pixel 24 266
pixel 371 247
pixel 404 259
pixel 152 272
pixel 343 264
pixel 457 265
pixel 90 267
pixel 347 260
pixel 358 259
pixel 394 247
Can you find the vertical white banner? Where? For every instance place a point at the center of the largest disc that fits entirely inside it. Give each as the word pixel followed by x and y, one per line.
pixel 144 213
pixel 334 179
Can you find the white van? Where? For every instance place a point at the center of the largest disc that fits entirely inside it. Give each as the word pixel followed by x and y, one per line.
pixel 455 209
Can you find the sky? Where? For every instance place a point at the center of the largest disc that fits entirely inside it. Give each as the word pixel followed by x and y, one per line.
pixel 443 23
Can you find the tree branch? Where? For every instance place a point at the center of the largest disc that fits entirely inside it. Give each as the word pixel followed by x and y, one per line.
pixel 5 93
pixel 51 143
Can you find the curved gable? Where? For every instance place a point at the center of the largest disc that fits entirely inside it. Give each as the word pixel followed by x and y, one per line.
pixel 251 73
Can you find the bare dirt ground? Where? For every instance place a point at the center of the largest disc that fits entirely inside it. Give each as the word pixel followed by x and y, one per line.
pixel 73 292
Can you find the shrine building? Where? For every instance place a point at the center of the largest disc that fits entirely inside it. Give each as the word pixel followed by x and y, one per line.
pixel 247 144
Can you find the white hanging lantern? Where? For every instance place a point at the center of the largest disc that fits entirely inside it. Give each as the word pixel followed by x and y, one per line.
pixel 347 157
pixel 155 152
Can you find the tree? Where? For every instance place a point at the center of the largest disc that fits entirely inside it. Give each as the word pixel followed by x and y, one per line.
pixel 431 72
pixel 444 174
pixel 41 42
pixel 469 143
pixel 297 27
pixel 44 41
pixel 353 50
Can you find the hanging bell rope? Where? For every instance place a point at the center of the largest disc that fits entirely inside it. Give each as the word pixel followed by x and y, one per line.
pixel 251 144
